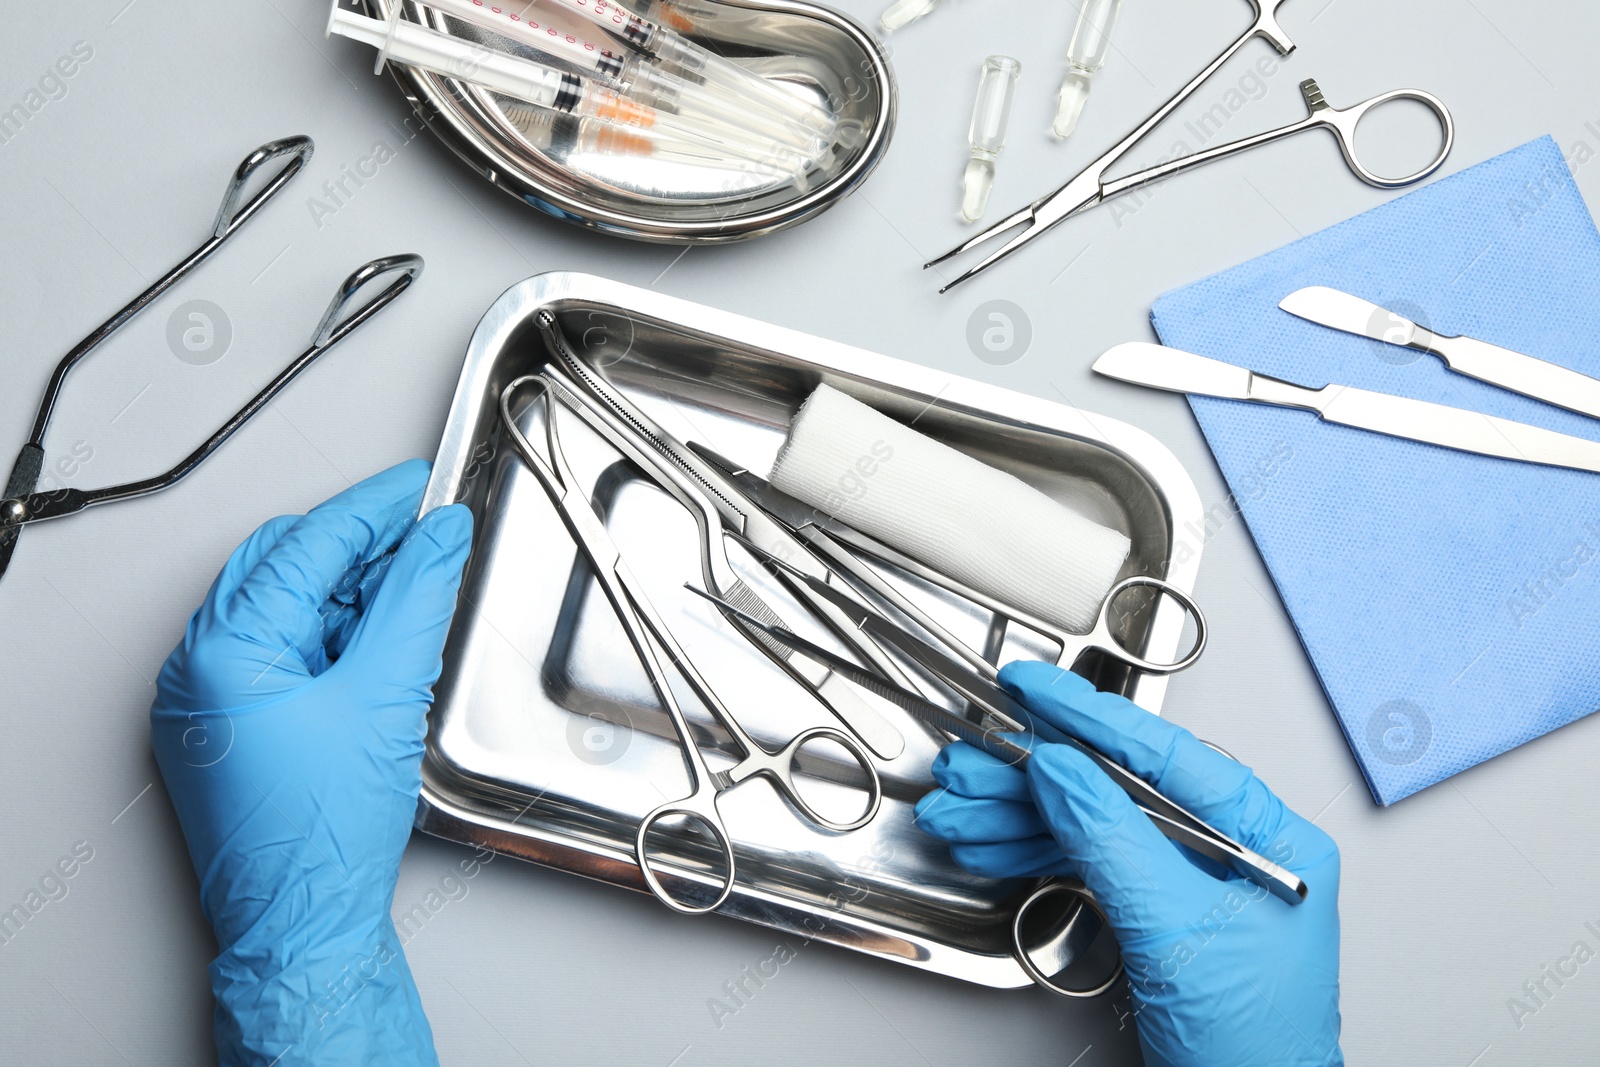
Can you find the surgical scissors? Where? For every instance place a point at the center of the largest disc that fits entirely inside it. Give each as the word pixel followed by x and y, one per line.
pixel 1091 187
pixel 230 217
pixel 654 642
pixel 833 542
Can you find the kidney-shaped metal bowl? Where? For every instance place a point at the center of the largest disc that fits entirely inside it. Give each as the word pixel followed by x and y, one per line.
pixel 821 53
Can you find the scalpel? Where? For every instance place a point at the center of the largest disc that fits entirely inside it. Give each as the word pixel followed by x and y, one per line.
pixel 1519 373
pixel 1415 420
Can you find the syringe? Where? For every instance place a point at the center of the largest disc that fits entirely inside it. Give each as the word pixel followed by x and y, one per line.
pixel 1086 54
pixel 440 53
pixel 552 131
pixel 680 54
pixel 632 74
pixel 665 13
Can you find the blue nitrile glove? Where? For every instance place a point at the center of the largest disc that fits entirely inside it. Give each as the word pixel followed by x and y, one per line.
pixel 289 727
pixel 1222 973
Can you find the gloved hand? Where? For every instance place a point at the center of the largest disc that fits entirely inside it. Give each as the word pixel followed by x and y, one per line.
pixel 289 728
pixel 1222 973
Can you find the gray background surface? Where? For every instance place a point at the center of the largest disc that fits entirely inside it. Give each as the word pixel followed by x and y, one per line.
pixel 1451 901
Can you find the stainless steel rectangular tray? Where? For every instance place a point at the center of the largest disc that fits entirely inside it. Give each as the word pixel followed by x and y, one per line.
pixel 545 741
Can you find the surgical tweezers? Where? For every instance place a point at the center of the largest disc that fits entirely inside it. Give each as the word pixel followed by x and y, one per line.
pixel 1012 732
pixel 1091 186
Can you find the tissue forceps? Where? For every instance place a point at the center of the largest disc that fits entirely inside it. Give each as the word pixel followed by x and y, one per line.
pixel 335 326
pixel 1091 187
pixel 837 544
pixel 1011 732
pixel 29 464
pixel 654 642
pixel 717 506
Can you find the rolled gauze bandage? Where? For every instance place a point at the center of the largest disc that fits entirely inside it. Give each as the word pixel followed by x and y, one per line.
pixel 978 525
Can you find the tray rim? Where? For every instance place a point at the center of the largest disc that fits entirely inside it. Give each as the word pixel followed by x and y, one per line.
pixel 439 816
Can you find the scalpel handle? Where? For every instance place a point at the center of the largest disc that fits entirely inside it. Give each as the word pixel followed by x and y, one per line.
pixel 1538 378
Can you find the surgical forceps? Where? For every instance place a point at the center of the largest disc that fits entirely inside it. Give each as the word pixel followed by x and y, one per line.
pixel 833 542
pixel 1091 187
pixel 335 326
pixel 653 642
pixel 1009 732
pixel 718 507
pixel 1002 712
pixel 230 217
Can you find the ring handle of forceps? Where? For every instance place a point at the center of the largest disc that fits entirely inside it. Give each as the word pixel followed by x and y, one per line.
pixel 1343 123
pixel 695 810
pixel 332 328
pixel 230 216
pixel 780 765
pixel 1104 641
pixel 1045 890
